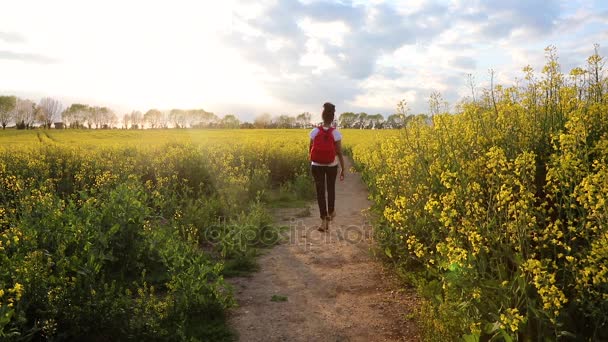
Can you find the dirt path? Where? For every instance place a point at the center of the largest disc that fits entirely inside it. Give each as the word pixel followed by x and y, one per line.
pixel 335 290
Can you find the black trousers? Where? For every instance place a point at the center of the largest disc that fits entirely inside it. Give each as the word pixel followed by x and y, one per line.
pixel 325 175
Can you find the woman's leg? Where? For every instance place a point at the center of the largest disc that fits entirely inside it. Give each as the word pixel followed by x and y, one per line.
pixel 332 172
pixel 318 173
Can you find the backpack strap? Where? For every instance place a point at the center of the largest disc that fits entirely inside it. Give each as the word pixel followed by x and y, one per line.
pixel 321 130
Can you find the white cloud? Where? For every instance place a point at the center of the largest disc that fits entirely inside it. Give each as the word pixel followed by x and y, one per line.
pixel 331 32
pixel 315 57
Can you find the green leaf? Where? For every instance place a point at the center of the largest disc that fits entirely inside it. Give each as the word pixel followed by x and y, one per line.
pixel 114 229
pixel 506 337
pixel 470 338
pixel 491 328
pixel 388 253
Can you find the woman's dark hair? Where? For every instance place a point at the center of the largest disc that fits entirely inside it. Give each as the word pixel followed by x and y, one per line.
pixel 329 111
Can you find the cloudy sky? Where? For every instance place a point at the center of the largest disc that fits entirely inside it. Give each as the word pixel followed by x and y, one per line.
pixel 282 57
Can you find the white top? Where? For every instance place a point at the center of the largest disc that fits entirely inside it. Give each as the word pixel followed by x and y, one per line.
pixel 337 137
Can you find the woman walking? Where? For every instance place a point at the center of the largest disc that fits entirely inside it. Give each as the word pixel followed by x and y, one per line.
pixel 325 150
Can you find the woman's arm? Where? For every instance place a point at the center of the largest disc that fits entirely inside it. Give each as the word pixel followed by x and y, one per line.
pixel 340 158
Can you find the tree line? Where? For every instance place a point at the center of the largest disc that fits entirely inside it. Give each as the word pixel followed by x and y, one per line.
pixel 49 112
pixel 26 114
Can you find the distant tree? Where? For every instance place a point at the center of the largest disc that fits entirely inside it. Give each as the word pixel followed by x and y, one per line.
pixel 362 120
pixel 7 109
pixel 107 118
pixel 78 114
pixel 89 117
pixel 420 117
pixel 137 119
pixel 25 114
pixel 112 119
pixel 153 118
pixel 96 115
pixel 202 118
pixel 303 119
pixel 285 121
pixel 75 115
pixel 126 121
pixel 376 120
pixel 230 121
pixel 211 117
pixel 262 121
pixel 192 116
pixel 347 119
pixel 164 120
pixel 395 121
pixel 178 118
pixel 103 117
pixel 48 111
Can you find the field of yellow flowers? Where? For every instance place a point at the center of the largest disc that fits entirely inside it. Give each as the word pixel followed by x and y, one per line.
pixel 497 213
pixel 501 210
pixel 116 235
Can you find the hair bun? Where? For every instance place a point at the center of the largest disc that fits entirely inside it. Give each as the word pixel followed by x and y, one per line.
pixel 328 105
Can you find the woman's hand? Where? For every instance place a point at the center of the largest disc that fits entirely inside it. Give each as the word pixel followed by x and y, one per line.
pixel 341 175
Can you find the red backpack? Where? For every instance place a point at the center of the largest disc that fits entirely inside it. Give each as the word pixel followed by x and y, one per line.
pixel 323 149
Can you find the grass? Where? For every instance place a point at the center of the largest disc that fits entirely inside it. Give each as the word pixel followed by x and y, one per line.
pixel 304 213
pixel 278 298
pixel 241 267
pixel 288 204
pixel 293 194
pixel 211 329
